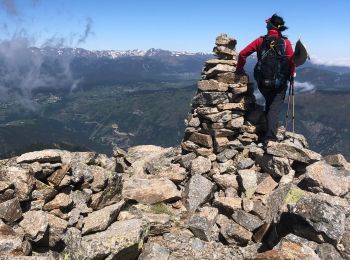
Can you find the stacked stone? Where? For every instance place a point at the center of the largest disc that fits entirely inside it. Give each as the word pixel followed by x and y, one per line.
pixel 53 200
pixel 223 114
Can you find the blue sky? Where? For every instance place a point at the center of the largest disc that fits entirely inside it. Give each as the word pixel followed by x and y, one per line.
pixel 178 25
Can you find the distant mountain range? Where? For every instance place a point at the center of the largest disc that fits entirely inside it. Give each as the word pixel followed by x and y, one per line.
pixel 96 99
pixel 110 54
pixel 153 52
pixel 108 67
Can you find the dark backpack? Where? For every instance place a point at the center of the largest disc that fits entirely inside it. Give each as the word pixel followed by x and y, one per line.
pixel 272 68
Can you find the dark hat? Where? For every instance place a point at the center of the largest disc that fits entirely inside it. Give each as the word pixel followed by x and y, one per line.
pixel 277 22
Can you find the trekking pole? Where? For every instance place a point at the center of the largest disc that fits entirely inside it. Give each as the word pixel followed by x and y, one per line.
pixel 293 115
pixel 288 109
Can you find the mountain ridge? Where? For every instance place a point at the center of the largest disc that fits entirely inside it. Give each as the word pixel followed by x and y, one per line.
pixel 111 54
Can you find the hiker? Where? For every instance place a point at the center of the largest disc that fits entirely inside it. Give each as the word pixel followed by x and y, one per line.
pixel 272 72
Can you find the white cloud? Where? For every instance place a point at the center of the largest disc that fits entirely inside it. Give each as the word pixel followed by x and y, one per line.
pixel 300 87
pixel 304 87
pixel 344 62
pixel 23 70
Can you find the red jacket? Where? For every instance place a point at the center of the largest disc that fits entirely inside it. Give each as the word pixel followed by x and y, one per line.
pixel 255 45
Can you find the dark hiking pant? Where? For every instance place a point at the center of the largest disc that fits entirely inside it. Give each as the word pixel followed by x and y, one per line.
pixel 274 98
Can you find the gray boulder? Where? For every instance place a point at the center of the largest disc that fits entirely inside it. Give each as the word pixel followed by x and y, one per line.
pixel 227 204
pixel 34 224
pixel 57 227
pixel 225 181
pixel 232 232
pixel 43 156
pixel 157 164
pixel 266 186
pixel 197 191
pixel 292 151
pixel 80 200
pixel 276 166
pixel 235 123
pixel 10 242
pixel 320 176
pixel 345 241
pixel 201 139
pixel 81 172
pixel 298 138
pixel 212 85
pixel 224 51
pixel 272 209
pixel 247 220
pixel 324 218
pixel 213 62
pixel 100 177
pixel 226 155
pixel 43 191
pixel 202 223
pixel 7 195
pixel 337 160
pixel 60 201
pixel 106 162
pixel 174 172
pixel 247 180
pixel 200 165
pixel 210 98
pixel 183 245
pixel 159 223
pixel 110 194
pixel 222 167
pixel 220 117
pixel 22 180
pixel 327 251
pixel 194 122
pixel 99 220
pixel 290 247
pixel 122 240
pixel 56 177
pixel 220 68
pixel 245 163
pixel 153 251
pixel 10 210
pixel 231 77
pixel 150 191
pixel 139 157
pixel 186 160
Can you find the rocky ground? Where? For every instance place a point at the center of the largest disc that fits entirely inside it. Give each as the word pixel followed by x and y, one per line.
pixel 218 195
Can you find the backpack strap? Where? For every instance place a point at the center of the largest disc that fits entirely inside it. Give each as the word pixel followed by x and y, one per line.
pixel 284 48
pixel 259 54
pixel 285 44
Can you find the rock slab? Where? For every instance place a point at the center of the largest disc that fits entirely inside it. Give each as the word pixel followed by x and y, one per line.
pixel 150 191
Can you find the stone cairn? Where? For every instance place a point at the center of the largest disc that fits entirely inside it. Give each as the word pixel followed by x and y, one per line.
pixel 218 195
pixel 224 113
